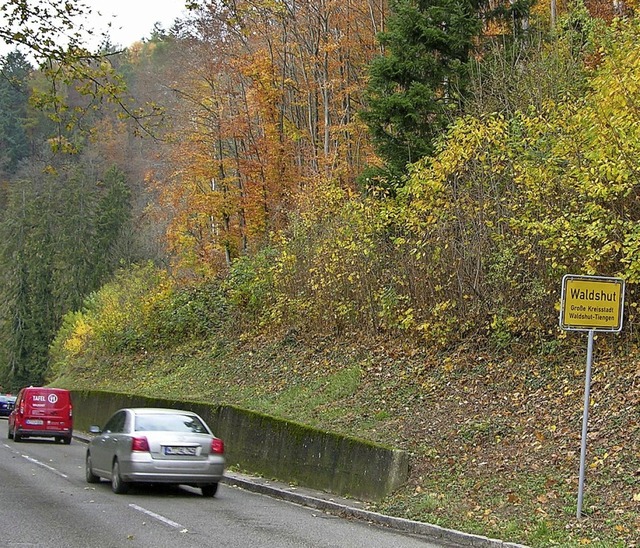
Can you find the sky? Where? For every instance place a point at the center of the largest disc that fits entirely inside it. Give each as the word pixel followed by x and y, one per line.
pixel 132 20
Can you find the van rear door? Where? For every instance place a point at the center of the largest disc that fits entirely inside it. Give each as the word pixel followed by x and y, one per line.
pixel 47 409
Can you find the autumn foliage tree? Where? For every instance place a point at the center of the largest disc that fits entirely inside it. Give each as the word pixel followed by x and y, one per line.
pixel 477 242
pixel 268 117
pixel 510 205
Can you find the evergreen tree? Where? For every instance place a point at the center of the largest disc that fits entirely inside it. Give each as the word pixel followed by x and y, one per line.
pixel 27 315
pixel 73 208
pixel 112 215
pixel 415 87
pixel 60 239
pixel 14 96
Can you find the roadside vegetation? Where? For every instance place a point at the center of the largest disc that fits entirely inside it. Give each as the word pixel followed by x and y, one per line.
pixel 392 273
pixel 494 436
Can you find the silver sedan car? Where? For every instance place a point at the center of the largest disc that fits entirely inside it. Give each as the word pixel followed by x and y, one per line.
pixel 155 446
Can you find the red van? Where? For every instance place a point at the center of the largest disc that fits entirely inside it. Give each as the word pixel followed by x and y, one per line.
pixel 42 412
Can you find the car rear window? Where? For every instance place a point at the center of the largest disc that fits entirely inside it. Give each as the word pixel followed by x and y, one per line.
pixel 170 423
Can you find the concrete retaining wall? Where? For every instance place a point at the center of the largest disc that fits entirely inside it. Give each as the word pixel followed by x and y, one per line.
pixel 274 448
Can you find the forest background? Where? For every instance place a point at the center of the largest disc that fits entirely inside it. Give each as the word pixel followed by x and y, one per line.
pixel 355 215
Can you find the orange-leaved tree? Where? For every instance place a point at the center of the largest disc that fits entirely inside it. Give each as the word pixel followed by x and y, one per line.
pixel 268 95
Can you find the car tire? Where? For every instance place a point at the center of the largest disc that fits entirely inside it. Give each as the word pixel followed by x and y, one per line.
pixel 88 471
pixel 66 440
pixel 209 490
pixel 118 485
pixel 17 437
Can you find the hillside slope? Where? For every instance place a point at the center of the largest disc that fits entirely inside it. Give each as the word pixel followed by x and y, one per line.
pixel 495 443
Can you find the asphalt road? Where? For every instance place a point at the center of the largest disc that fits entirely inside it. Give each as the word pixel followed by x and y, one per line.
pixel 45 502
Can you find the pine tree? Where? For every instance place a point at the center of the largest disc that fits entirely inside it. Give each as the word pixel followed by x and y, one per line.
pixel 415 87
pixel 113 212
pixel 27 314
pixel 14 96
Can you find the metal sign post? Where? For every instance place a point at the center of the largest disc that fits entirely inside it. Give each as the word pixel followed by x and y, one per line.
pixel 590 303
pixel 585 421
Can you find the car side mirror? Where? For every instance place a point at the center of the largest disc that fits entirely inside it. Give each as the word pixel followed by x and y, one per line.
pixel 95 429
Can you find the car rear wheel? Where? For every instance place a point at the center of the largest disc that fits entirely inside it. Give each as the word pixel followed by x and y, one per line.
pixel 88 471
pixel 209 490
pixel 16 437
pixel 118 485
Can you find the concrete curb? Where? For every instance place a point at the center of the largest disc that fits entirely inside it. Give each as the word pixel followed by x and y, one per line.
pixel 431 532
pixel 434 533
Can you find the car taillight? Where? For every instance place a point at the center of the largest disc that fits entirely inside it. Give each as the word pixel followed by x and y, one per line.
pixel 217 446
pixel 139 444
pixel 70 411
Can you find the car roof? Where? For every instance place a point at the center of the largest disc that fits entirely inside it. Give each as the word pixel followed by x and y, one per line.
pixel 46 388
pixel 158 411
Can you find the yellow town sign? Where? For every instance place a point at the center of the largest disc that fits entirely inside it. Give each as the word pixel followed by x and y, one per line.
pixel 591 303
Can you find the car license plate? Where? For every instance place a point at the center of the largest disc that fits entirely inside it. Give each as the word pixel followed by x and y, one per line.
pixel 172 450
pixel 35 422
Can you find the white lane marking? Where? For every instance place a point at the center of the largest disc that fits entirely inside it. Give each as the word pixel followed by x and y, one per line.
pixel 156 516
pixel 35 461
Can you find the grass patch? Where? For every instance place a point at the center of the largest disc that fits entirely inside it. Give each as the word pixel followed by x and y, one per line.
pixel 304 399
